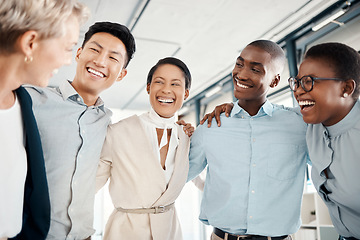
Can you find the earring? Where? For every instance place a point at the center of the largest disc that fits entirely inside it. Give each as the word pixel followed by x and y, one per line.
pixel 345 95
pixel 28 59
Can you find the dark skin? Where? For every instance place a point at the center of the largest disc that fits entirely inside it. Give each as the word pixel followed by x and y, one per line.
pixel 253 75
pixel 223 108
pixel 332 108
pixel 328 104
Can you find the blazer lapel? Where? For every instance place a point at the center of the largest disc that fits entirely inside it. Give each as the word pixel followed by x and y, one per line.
pixel 181 168
pixel 36 213
pixel 151 162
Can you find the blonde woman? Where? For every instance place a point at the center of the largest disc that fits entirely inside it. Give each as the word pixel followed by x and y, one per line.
pixel 36 38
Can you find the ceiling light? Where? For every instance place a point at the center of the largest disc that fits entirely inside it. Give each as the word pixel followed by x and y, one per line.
pixel 328 20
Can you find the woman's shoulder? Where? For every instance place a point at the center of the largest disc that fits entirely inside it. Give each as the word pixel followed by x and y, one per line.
pixel 133 120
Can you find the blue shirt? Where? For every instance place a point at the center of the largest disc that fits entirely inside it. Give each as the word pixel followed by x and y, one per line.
pixel 335 151
pixel 72 135
pixel 255 174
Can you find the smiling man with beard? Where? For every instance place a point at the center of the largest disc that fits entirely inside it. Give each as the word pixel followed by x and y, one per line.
pixel 256 160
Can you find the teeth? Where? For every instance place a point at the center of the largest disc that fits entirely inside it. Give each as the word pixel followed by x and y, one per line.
pixel 240 85
pixel 93 71
pixel 306 103
pixel 165 100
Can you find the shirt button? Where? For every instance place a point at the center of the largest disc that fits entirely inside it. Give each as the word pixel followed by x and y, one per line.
pixel 251 217
pixel 253 139
pixel 252 191
pixel 78 99
pixel 254 165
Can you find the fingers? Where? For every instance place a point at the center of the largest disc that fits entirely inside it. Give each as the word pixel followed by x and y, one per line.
pixel 203 119
pixel 208 117
pixel 181 122
pixel 228 108
pixel 218 110
pixel 188 128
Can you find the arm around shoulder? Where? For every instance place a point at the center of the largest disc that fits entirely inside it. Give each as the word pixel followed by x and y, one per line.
pixel 197 157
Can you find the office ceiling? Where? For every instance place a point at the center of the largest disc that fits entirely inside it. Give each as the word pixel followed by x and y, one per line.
pixel 206 34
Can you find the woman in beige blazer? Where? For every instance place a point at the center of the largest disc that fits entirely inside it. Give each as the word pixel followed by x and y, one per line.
pixel 146 159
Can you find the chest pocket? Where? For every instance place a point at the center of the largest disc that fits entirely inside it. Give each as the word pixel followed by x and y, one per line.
pixel 284 161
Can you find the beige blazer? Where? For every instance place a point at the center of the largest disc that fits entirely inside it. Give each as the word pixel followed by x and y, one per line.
pixel 137 180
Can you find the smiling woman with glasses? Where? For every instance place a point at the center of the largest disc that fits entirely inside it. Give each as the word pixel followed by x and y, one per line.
pixel 306 82
pixel 332 110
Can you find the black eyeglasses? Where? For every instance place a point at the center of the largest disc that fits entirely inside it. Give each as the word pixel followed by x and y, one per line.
pixel 306 82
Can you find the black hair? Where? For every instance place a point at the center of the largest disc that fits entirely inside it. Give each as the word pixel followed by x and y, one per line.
pixel 344 60
pixel 274 50
pixel 173 61
pixel 117 30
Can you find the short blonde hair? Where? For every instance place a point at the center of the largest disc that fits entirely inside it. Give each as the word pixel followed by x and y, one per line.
pixel 47 17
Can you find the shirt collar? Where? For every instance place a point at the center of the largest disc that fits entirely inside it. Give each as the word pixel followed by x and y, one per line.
pixel 68 92
pixel 347 122
pixel 267 108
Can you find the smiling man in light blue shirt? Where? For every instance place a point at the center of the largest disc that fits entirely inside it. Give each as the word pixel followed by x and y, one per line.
pixel 72 122
pixel 256 160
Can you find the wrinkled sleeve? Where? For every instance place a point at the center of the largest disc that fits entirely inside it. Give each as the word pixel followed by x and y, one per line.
pixel 197 157
pixel 104 168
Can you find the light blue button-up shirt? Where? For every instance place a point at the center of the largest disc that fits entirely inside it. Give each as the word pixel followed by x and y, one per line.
pixel 255 174
pixel 336 150
pixel 72 135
